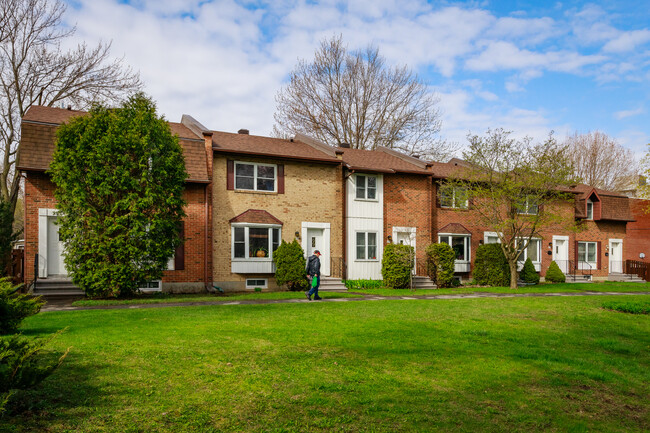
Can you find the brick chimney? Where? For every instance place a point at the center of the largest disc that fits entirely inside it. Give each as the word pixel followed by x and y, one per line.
pixel 243 131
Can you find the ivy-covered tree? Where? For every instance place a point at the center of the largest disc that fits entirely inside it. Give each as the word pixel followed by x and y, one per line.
pixel 120 176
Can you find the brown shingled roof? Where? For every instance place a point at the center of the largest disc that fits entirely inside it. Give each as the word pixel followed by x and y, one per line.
pixel 455 228
pixel 38 136
pixel 255 216
pixel 267 146
pixel 613 205
pixel 378 161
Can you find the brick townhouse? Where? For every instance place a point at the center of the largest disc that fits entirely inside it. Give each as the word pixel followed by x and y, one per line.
pixel 637 246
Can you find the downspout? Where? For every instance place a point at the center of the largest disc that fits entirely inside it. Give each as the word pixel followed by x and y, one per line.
pixel 207 195
pixel 206 267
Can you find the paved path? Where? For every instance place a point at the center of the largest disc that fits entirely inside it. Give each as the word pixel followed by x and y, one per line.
pixel 66 304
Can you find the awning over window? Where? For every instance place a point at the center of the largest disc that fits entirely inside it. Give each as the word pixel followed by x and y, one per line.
pixel 455 228
pixel 256 216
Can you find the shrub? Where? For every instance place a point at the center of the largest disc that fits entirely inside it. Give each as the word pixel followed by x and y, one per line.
pixel 290 266
pixel 23 365
pixel 491 267
pixel 7 235
pixel 14 308
pixel 396 266
pixel 641 307
pixel 554 274
pixel 441 264
pixel 363 284
pixel 528 273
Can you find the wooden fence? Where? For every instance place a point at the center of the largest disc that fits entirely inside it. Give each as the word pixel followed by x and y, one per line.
pixel 642 269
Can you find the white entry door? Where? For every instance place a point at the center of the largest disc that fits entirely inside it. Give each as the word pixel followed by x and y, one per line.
pixel 615 256
pixel 55 265
pixel 561 252
pixel 316 241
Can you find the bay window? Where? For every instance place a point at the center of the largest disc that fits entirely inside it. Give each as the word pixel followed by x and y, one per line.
pixel 533 252
pixel 461 246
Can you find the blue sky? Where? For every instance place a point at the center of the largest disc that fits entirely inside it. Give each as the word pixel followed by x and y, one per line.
pixel 527 66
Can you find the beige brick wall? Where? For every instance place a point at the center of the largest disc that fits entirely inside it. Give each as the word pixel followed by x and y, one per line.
pixel 313 193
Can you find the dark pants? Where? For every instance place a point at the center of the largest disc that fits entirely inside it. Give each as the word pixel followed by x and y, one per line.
pixel 314 290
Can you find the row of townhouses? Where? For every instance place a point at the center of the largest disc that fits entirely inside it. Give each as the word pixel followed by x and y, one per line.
pixel 246 193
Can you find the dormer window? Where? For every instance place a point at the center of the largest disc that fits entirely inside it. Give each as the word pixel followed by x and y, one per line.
pixel 590 210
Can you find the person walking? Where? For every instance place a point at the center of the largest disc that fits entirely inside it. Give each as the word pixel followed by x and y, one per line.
pixel 313 270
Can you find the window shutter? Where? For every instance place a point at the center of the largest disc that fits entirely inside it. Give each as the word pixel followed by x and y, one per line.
pixel 576 255
pixel 437 193
pixel 230 178
pixel 598 253
pixel 280 178
pixel 179 256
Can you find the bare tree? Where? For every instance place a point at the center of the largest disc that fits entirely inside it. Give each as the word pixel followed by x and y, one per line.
pixel 36 70
pixel 600 161
pixel 355 98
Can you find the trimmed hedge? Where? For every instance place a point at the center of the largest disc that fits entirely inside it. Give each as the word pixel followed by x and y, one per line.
pixel 441 264
pixel 290 266
pixel 396 265
pixel 528 273
pixel 491 267
pixel 363 284
pixel 554 274
pixel 640 307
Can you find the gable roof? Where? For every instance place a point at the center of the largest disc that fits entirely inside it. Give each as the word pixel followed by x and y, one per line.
pixel 256 145
pixel 613 205
pixel 38 134
pixel 256 216
pixel 382 160
pixel 455 228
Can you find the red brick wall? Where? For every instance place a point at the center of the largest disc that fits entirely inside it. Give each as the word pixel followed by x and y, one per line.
pixel 39 193
pixel 407 203
pixel 638 240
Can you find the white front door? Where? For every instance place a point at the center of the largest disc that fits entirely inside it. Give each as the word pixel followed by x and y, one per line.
pixel 316 241
pixel 615 256
pixel 561 252
pixel 55 265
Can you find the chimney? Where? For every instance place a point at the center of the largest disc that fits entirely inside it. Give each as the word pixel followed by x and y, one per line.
pixel 416 156
pixel 345 145
pixel 243 131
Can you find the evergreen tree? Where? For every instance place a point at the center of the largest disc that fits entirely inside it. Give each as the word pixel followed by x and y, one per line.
pixel 290 266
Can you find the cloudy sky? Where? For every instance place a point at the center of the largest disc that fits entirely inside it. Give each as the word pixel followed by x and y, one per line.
pixel 528 66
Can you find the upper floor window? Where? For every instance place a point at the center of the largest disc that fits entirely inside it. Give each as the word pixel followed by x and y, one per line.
pixel 255 177
pixel 590 210
pixel 454 196
pixel 527 206
pixel 366 187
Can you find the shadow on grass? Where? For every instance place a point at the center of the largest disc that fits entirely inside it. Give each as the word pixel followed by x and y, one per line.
pixel 61 398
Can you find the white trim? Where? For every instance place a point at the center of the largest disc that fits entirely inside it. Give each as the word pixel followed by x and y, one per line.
pixel 306 225
pixel 376 199
pixel 564 267
pixel 592 265
pixel 255 165
pixel 620 242
pixel 252 265
pixel 587 203
pixel 487 235
pixel 263 286
pixel 356 245
pixel 43 215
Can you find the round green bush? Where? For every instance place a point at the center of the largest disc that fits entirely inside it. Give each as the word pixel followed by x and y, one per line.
pixel 554 274
pixel 441 264
pixel 396 265
pixel 528 273
pixel 491 267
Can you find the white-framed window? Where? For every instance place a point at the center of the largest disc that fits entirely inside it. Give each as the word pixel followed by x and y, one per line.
pixel 532 251
pixel 255 241
pixel 453 196
pixel 251 176
pixel 590 209
pixel 527 206
pixel 459 243
pixel 366 187
pixel 491 238
pixel 366 246
pixel 588 253
pixel 253 283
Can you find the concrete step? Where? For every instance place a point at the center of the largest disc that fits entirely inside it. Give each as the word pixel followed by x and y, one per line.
pixel 625 278
pixel 56 287
pixel 330 284
pixel 578 278
pixel 420 282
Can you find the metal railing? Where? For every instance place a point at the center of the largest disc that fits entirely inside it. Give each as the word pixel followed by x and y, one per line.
pixel 575 270
pixel 422 268
pixel 338 268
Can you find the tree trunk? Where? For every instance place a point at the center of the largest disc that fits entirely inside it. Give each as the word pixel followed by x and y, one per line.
pixel 513 274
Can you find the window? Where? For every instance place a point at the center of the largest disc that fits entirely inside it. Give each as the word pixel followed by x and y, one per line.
pixel 252 283
pixel 366 187
pixel 254 242
pixel 587 252
pixel 459 243
pixel 533 251
pixel 590 210
pixel 527 206
pixel 453 196
pixel 491 238
pixel 255 177
pixel 366 246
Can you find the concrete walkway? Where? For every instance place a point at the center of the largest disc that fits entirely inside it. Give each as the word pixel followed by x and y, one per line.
pixel 66 304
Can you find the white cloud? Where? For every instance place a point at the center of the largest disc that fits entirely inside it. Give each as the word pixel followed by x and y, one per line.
pixel 627 41
pixel 629 113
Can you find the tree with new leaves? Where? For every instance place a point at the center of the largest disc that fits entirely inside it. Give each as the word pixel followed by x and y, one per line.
pixel 120 177
pixel 36 70
pixel 600 161
pixel 354 97
pixel 513 187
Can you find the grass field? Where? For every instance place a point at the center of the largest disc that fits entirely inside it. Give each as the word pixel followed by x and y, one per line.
pixel 469 365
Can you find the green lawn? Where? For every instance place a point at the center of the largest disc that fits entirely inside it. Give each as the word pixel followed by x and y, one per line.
pixel 164 298
pixel 540 288
pixel 468 365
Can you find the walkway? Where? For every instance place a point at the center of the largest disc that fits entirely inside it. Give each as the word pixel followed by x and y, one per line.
pixel 65 305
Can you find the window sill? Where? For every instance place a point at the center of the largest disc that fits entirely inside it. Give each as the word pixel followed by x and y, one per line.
pixel 371 200
pixel 366 260
pixel 252 191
